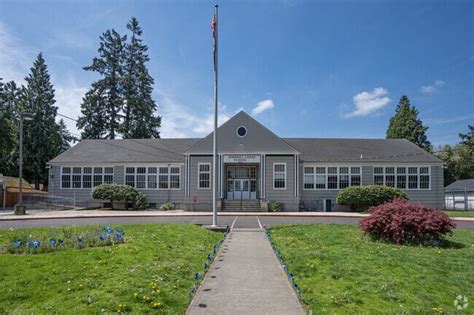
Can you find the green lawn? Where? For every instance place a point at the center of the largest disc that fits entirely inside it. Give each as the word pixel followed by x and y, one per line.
pixel 162 258
pixel 342 272
pixel 456 213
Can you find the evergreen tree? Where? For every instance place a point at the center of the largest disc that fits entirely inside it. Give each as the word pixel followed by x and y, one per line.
pixel 9 94
pixel 93 119
pixel 468 137
pixel 406 125
pixel 109 65
pixel 140 120
pixel 44 139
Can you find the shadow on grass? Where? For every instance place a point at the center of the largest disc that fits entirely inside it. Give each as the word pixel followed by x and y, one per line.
pixel 441 243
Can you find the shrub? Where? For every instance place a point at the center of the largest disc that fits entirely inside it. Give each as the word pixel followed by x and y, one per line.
pixel 123 193
pixel 167 206
pixel 140 201
pixel 400 221
pixel 369 195
pixel 274 206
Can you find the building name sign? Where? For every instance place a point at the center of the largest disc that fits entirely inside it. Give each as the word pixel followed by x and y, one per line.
pixel 242 158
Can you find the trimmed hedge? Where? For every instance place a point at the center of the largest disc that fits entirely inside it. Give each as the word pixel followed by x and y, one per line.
pixel 370 195
pixel 401 222
pixel 123 193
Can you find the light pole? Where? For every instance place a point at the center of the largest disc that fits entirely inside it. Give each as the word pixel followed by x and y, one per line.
pixel 19 207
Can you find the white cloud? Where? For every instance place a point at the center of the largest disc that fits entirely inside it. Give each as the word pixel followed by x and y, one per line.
pixel 180 121
pixel 430 89
pixel 367 103
pixel 15 62
pixel 262 106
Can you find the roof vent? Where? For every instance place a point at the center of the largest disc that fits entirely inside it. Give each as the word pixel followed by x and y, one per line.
pixel 361 156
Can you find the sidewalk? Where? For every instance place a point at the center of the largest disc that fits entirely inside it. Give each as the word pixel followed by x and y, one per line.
pixel 245 278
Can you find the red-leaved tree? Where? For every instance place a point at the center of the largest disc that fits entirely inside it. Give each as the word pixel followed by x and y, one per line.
pixel 401 222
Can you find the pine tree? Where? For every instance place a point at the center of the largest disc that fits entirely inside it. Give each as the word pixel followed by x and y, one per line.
pixel 44 139
pixel 468 137
pixel 406 125
pixel 109 65
pixel 140 120
pixel 9 94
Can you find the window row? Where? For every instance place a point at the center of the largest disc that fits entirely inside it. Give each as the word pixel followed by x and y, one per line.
pixel 331 177
pixel 411 177
pixel 153 177
pixel 86 177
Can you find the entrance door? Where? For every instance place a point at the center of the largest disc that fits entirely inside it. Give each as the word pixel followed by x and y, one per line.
pixel 241 189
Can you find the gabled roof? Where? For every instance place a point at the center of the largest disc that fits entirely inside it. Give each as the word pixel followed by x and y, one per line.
pixel 126 150
pixel 461 185
pixel 360 150
pixel 258 139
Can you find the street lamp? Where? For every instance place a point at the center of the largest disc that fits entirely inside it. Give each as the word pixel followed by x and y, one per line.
pixel 19 207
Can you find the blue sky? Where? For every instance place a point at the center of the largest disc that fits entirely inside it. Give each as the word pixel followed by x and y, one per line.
pixel 302 68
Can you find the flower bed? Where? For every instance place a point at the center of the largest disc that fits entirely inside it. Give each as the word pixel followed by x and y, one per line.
pixel 62 239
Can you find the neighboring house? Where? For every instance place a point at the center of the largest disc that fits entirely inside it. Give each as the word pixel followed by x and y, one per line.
pixel 460 195
pixel 255 166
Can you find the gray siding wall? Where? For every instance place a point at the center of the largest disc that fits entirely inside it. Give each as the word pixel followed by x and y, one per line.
pixel 285 196
pixel 432 197
pixel 83 196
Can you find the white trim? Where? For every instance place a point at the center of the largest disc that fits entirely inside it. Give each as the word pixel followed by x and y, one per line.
pixel 157 174
pixel 324 204
pixel 237 131
pixel 326 174
pixel 199 173
pixel 273 179
pixel 406 166
pixel 81 174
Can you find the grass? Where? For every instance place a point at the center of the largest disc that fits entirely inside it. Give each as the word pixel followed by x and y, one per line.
pixel 160 257
pixel 457 213
pixel 342 272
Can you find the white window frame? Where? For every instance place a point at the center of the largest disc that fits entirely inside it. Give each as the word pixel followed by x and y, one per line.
pixel 406 174
pixel 204 172
pixel 285 173
pixel 337 174
pixel 92 174
pixel 147 166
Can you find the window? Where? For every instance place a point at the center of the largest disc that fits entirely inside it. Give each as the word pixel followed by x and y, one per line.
pixel 163 178
pixel 411 177
pixel 332 177
pixel 174 177
pixel 66 177
pixel 320 178
pixel 130 176
pixel 204 176
pixel 279 176
pixel 152 177
pixel 85 177
pixel 241 131
pixel 308 178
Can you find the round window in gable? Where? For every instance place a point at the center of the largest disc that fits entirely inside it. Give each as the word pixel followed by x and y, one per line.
pixel 241 131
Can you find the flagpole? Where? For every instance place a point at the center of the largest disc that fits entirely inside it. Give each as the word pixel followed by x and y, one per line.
pixel 215 168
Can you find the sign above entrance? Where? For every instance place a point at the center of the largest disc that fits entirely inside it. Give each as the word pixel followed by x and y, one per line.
pixel 242 158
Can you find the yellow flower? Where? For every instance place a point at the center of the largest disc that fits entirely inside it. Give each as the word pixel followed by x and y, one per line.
pixel 135 295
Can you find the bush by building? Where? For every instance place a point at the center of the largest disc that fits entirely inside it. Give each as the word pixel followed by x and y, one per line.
pixel 359 197
pixel 120 193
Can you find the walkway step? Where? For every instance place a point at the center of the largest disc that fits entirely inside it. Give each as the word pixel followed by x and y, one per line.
pixel 245 278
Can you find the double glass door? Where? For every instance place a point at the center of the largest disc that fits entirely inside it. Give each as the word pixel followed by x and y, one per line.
pixel 241 183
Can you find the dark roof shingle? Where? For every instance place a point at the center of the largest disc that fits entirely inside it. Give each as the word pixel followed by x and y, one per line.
pixel 460 185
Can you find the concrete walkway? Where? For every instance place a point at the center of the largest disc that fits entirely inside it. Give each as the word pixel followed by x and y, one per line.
pixel 245 278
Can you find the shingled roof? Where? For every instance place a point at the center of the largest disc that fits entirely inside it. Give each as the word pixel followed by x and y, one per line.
pixel 360 150
pixel 126 150
pixel 461 185
pixel 311 149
